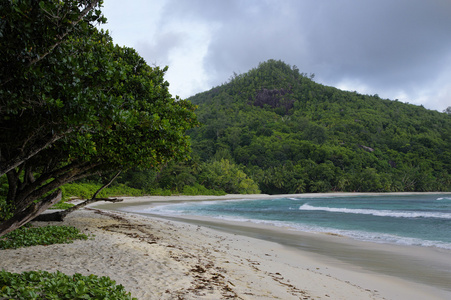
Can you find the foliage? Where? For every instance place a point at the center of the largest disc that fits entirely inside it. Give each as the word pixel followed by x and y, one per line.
pixel 30 236
pixel 45 285
pixel 5 209
pixel 291 135
pixel 73 104
pixel 87 190
pixel 225 175
pixel 138 179
pixel 198 189
pixel 221 176
pixel 160 192
pixel 62 205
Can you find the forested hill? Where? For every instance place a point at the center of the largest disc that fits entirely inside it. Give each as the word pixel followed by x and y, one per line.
pixel 293 135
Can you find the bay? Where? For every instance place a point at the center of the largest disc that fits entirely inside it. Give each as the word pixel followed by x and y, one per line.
pixel 420 220
pixel 395 234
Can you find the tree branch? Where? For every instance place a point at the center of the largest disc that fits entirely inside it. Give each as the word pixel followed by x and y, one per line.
pixel 106 184
pixel 60 215
pixel 23 156
pixel 34 191
pixel 59 38
pixel 23 217
pixel 63 35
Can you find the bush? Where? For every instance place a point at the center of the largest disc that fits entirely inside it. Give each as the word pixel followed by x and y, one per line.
pixel 227 176
pixel 159 192
pixel 87 190
pixel 45 285
pixel 198 189
pixel 62 205
pixel 30 236
pixel 120 190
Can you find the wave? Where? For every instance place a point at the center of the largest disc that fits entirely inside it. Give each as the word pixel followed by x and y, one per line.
pixel 444 198
pixel 354 234
pixel 379 213
pixel 378 237
pixel 385 238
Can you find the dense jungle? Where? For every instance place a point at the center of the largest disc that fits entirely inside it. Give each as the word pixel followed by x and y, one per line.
pixel 275 130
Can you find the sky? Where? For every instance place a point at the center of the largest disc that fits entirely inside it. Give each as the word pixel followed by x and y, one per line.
pixel 398 49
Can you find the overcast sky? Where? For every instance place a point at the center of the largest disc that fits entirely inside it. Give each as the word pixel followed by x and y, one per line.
pixel 398 49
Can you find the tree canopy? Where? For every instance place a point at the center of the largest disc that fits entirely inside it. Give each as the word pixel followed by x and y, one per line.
pixel 290 135
pixel 73 104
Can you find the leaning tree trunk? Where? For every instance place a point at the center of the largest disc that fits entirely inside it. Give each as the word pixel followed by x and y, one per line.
pixel 60 215
pixel 23 217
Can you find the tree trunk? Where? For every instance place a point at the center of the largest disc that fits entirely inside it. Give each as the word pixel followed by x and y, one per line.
pixel 13 162
pixel 30 192
pixel 60 215
pixel 25 216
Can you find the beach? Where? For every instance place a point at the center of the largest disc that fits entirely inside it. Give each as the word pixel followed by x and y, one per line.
pixel 160 258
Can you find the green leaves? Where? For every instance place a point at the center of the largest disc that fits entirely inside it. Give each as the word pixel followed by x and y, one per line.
pixel 31 236
pixel 224 175
pixel 328 140
pixel 74 104
pixel 45 285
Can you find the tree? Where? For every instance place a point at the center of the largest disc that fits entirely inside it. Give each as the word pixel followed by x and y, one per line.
pixel 224 175
pixel 448 110
pixel 328 140
pixel 30 32
pixel 77 105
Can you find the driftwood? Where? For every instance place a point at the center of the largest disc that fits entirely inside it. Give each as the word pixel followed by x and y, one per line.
pixel 59 216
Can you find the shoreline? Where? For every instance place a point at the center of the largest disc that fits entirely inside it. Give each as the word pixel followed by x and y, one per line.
pixel 427 266
pixel 184 198
pixel 157 258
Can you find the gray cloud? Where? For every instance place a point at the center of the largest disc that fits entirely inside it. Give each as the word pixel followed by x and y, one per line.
pixel 157 51
pixel 386 43
pixel 387 47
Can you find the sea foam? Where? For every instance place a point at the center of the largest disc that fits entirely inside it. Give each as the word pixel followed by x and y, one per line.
pixel 379 213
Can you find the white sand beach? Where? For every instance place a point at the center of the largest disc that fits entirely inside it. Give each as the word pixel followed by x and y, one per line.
pixel 155 258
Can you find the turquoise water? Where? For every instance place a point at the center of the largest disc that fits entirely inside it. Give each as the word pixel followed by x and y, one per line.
pixel 422 220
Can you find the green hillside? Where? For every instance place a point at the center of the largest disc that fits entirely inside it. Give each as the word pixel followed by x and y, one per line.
pixel 291 135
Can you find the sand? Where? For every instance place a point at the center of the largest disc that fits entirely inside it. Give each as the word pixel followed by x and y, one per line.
pixel 156 258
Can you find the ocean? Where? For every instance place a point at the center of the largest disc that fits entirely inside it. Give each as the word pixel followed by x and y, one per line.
pixel 419 220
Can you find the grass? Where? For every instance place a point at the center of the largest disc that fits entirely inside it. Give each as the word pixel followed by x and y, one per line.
pixel 87 190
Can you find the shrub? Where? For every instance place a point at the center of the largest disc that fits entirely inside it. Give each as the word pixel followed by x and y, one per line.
pixel 87 190
pixel 62 205
pixel 30 236
pixel 159 192
pixel 198 189
pixel 45 285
